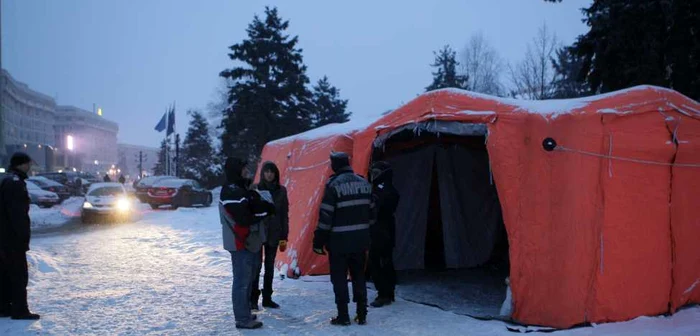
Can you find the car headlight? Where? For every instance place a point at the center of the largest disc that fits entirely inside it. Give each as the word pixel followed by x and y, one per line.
pixel 123 204
pixel 87 205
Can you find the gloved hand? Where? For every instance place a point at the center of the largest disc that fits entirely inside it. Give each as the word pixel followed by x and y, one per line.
pixel 283 245
pixel 319 250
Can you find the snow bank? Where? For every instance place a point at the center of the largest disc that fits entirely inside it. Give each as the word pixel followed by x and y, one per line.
pixel 55 216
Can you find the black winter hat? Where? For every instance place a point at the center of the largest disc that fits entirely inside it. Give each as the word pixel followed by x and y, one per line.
pixel 379 171
pixel 339 160
pixel 233 168
pixel 19 159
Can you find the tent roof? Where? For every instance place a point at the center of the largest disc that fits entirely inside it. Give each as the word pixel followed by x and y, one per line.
pixel 467 103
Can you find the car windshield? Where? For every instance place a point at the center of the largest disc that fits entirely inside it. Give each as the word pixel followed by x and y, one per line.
pixel 32 186
pixel 107 191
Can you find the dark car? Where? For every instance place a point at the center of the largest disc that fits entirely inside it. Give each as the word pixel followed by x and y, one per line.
pixel 52 186
pixel 178 193
pixel 65 178
pixel 141 186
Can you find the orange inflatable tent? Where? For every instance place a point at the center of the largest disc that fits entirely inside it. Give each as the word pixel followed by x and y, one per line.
pixel 600 196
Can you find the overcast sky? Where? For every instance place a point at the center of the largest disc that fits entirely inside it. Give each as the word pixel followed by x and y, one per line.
pixel 134 57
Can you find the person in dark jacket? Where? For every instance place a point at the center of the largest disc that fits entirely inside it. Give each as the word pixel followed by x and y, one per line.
pixel 277 229
pixel 381 260
pixel 241 211
pixel 343 230
pixel 122 179
pixel 106 178
pixel 15 235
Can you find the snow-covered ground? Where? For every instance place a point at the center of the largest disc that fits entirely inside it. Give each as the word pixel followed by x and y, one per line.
pixel 167 274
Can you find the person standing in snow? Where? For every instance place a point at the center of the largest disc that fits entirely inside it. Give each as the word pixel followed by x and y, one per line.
pixel 241 211
pixel 122 179
pixel 106 178
pixel 343 230
pixel 277 229
pixel 15 234
pixel 381 260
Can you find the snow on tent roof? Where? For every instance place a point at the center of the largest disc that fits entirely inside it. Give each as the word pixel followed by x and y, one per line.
pixel 549 108
pixel 555 107
pixel 355 124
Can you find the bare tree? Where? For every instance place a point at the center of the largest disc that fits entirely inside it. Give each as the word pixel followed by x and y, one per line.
pixel 533 77
pixel 482 65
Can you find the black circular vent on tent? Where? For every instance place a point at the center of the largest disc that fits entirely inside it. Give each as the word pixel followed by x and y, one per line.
pixel 549 144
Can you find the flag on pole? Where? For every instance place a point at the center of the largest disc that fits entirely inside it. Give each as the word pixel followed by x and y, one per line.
pixel 161 124
pixel 171 121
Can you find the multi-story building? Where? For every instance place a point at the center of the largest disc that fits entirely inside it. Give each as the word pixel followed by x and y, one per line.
pixel 26 122
pixel 128 160
pixel 88 140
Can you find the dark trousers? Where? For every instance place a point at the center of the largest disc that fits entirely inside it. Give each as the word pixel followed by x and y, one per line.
pixel 14 277
pixel 269 252
pixel 381 264
pixel 340 264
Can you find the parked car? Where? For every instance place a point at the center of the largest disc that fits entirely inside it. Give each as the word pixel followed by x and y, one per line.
pixel 40 197
pixel 107 200
pixel 141 186
pixel 65 178
pixel 178 193
pixel 52 186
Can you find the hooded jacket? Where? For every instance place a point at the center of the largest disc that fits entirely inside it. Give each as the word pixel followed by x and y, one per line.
pixel 241 210
pixel 345 214
pixel 15 231
pixel 276 226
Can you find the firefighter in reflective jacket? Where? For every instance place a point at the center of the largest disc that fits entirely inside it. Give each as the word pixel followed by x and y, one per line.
pixel 343 229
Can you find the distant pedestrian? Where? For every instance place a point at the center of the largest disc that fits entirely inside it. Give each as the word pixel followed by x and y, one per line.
pixel 106 178
pixel 241 211
pixel 122 179
pixel 343 230
pixel 14 240
pixel 78 185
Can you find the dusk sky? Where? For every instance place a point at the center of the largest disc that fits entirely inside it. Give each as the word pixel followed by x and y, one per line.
pixel 135 57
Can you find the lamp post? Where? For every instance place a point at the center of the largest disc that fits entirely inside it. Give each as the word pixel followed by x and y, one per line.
pixel 70 146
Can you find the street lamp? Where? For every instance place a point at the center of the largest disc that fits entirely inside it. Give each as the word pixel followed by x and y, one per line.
pixel 69 142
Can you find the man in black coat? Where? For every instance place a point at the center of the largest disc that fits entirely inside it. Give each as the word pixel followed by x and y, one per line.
pixel 343 229
pixel 277 229
pixel 381 260
pixel 15 234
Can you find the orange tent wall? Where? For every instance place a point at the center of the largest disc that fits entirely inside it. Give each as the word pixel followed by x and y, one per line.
pixel 591 239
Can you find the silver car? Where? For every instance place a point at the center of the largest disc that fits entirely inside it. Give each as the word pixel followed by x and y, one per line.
pixel 40 197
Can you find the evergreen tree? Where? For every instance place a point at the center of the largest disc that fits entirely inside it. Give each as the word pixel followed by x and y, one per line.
pixel 328 107
pixel 160 167
pixel 446 75
pixel 268 98
pixel 567 83
pixel 631 43
pixel 198 160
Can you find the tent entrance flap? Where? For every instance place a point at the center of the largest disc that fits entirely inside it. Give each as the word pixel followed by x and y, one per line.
pixel 448 222
pixel 449 215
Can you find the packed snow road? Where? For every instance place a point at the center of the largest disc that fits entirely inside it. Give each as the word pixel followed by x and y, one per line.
pixel 166 273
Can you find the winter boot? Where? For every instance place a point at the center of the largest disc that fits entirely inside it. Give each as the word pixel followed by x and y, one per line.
pixel 26 316
pixel 6 311
pixel 252 324
pixel 268 303
pixel 343 318
pixel 381 302
pixel 361 317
